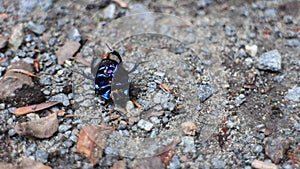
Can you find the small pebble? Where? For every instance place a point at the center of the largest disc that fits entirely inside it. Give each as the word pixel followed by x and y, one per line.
pixel 64 127
pixel 188 144
pixel 206 91
pixel 11 132
pixel 145 125
pixel 269 61
pixel 251 50
pixel 217 163
pixel 42 156
pixel 109 11
pixel 62 98
pixel 270 13
pixel 36 28
pixel 292 42
pixel 175 163
pixel 293 94
pixel 258 149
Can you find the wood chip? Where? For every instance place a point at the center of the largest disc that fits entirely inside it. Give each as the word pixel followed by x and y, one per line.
pixel 263 165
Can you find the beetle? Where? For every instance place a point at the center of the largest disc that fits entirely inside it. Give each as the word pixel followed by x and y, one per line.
pixel 112 79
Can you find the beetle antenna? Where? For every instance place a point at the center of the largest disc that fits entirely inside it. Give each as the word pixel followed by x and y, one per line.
pixel 109 47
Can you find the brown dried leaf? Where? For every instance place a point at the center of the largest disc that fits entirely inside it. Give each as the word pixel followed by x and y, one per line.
pixel 67 51
pixel 34 108
pixel 148 163
pixel 168 152
pixel 121 3
pixel 42 128
pixel 119 165
pixel 92 141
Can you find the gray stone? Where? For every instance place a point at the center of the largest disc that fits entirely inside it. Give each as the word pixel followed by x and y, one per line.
pixel 75 35
pixel 17 36
pixel 52 41
pixel 188 144
pixel 203 3
pixel 228 30
pixel 109 11
pixel 157 97
pixel 275 148
pixel 36 28
pixel 11 132
pixel 62 98
pixel 169 106
pixel 2 106
pixel 296 126
pixel 270 13
pixel 64 127
pixel 155 120
pixel 241 98
pixel 145 125
pixel 217 163
pixel 292 42
pixel 68 143
pixel 205 91
pixel 27 6
pixel 288 19
pixel 175 163
pixel 269 61
pixel 42 156
pixel 46 4
pixel 257 148
pixel 293 94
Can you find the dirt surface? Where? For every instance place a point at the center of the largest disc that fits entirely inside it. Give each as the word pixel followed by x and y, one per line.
pixel 220 78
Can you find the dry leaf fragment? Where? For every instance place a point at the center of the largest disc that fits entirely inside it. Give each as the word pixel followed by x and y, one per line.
pixel 263 165
pixel 121 3
pixel 92 141
pixel 67 51
pixel 168 152
pixel 34 108
pixel 42 128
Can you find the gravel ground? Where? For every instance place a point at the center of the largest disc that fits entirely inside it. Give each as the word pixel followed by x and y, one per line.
pixel 232 68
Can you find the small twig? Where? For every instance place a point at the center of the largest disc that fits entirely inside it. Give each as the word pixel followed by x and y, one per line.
pixel 25 72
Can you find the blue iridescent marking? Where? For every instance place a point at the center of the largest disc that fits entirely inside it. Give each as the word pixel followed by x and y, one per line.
pixel 105 86
pixel 106 95
pixel 126 92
